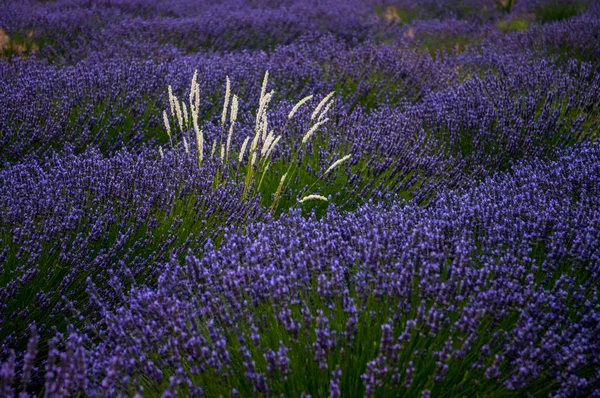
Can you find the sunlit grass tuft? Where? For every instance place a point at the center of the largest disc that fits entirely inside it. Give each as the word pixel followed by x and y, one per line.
pixel 255 156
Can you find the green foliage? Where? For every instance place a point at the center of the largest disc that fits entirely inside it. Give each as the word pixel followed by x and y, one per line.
pixel 505 6
pixel 557 11
pixel 514 25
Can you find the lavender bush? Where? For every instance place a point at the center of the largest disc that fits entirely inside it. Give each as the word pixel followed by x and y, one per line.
pixel 405 204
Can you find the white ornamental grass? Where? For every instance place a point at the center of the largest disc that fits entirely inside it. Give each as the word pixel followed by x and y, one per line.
pixel 324 112
pixel 178 112
pixel 199 139
pixel 263 143
pixel 337 163
pixel 254 142
pixel 233 119
pixel 168 127
pixel 273 145
pixel 312 130
pixel 196 90
pixel 171 101
pixel 283 177
pixel 185 115
pixel 278 192
pixel 312 197
pixel 321 104
pixel 267 143
pixel 298 106
pixel 226 101
pixel 193 90
pixel 264 127
pixel 264 84
pixel 243 149
pixel 234 109
pixel 261 101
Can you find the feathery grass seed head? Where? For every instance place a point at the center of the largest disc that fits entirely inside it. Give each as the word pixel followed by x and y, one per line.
pixel 178 112
pixel 298 105
pixel 263 89
pixel 226 101
pixel 275 142
pixel 193 90
pixel 185 115
pixel 321 104
pixel 199 140
pixel 322 115
pixel 234 108
pixel 312 130
pixel 243 149
pixel 313 197
pixel 337 163
pixel 267 143
pixel 171 101
pixel 166 122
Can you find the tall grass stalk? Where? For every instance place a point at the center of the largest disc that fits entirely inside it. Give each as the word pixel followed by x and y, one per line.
pixel 255 156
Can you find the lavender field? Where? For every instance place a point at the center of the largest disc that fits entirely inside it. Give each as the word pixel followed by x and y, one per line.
pixel 299 198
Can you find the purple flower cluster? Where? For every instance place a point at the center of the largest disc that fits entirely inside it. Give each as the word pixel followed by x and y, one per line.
pixel 516 317
pixel 70 31
pixel 574 38
pixel 72 216
pixel 525 108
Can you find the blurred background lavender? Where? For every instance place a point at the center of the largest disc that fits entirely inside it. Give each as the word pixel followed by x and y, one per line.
pixel 457 252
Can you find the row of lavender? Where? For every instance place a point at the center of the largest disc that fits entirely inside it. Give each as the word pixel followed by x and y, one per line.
pixel 519 105
pixel 114 100
pixel 116 103
pixel 72 30
pixel 489 289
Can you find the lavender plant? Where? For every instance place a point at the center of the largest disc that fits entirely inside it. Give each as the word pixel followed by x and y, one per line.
pixel 71 217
